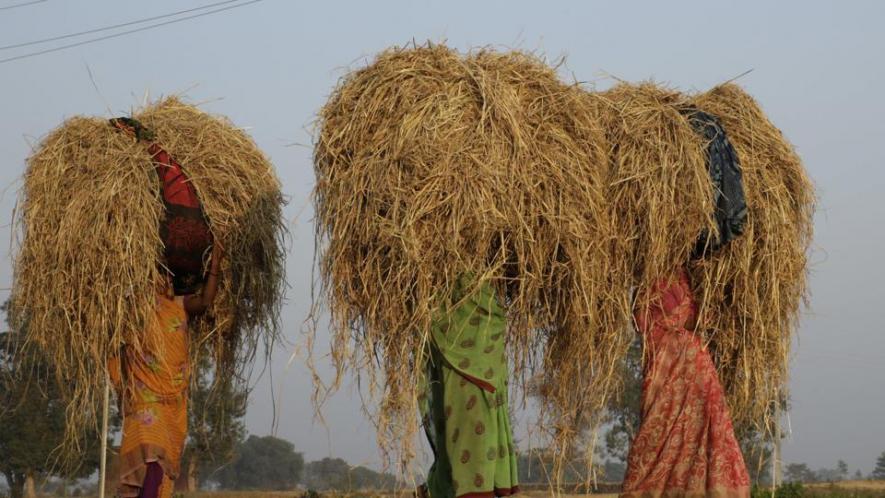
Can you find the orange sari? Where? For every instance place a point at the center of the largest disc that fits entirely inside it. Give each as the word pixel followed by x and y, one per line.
pixel 685 446
pixel 154 392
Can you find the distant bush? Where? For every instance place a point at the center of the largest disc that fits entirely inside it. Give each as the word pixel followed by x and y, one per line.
pixel 789 490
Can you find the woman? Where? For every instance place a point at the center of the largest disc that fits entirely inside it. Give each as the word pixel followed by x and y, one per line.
pixel 152 385
pixel 151 381
pixel 686 445
pixel 465 399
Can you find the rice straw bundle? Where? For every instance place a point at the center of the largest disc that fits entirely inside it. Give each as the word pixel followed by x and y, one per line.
pixel 432 164
pixel 658 188
pixel 90 250
pixel 752 289
pixel 429 165
pixel 660 191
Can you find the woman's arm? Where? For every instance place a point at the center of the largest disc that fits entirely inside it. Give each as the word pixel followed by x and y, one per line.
pixel 197 304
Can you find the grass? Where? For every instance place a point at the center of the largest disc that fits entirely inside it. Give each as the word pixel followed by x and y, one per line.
pixel 843 489
pixel 846 489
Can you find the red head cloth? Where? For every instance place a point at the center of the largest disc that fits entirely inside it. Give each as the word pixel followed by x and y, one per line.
pixel 185 231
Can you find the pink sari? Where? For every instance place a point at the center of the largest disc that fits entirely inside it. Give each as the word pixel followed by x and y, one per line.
pixel 685 446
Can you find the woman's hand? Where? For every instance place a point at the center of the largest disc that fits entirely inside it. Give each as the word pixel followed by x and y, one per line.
pixel 197 304
pixel 133 128
pixel 216 257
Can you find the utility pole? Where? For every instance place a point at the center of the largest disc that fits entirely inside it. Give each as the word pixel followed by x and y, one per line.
pixel 103 458
pixel 776 455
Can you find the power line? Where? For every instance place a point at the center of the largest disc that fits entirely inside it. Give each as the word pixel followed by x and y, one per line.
pixel 123 33
pixel 115 26
pixel 23 4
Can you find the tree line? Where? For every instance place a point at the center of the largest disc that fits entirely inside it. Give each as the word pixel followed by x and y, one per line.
pixel 272 464
pixel 801 472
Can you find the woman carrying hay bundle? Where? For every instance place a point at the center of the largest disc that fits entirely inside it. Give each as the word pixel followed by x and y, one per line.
pixel 152 380
pixel 714 210
pixel 433 166
pixel 686 445
pixel 464 402
pixel 107 223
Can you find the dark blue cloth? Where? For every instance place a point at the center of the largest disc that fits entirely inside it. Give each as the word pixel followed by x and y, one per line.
pixel 728 189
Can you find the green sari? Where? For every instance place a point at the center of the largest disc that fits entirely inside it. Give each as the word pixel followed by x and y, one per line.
pixel 465 399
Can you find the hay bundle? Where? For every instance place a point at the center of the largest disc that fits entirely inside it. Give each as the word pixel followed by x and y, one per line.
pixel 430 164
pixel 90 253
pixel 660 191
pixel 658 188
pixel 752 290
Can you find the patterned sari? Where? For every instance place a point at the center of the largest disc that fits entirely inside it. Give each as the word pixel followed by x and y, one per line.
pixel 465 400
pixel 685 446
pixel 153 386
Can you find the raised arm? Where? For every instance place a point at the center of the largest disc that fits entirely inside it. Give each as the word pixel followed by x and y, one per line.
pixel 197 304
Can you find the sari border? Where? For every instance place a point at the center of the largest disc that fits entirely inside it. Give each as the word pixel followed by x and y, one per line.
pixel 717 492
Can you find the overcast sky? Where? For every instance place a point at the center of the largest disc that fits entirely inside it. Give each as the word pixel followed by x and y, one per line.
pixel 817 71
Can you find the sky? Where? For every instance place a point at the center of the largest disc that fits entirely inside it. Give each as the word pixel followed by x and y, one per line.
pixel 816 69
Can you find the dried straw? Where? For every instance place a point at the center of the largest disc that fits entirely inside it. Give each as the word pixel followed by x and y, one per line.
pixel 660 192
pixel 751 292
pixel 89 216
pixel 430 164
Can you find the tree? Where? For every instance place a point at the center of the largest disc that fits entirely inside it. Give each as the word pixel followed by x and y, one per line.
pixel 327 474
pixel 336 474
pixel 858 475
pixel 32 426
pixel 32 420
pixel 879 470
pixel 365 479
pixel 624 410
pixel 536 466
pixel 613 471
pixel 842 469
pixel 799 472
pixel 757 453
pixel 266 463
pixel 215 422
pixel 827 475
